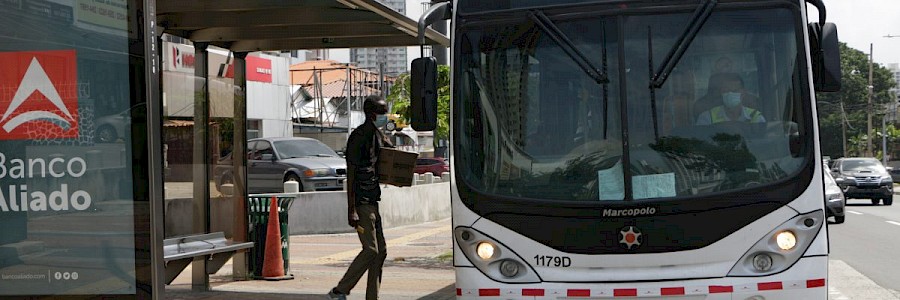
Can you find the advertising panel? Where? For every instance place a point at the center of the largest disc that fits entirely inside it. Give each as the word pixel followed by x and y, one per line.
pixel 258 69
pixel 67 190
pixel 178 58
pixel 105 13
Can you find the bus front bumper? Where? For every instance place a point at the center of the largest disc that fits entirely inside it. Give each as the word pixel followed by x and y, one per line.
pixel 805 280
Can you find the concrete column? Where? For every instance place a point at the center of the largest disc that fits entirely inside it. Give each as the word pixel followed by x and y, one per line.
pixel 429 178
pixel 199 278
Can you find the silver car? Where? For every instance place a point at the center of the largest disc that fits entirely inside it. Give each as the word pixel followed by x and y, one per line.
pixel 834 199
pixel 273 161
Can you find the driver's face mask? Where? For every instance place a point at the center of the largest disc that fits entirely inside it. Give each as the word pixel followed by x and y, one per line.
pixel 731 99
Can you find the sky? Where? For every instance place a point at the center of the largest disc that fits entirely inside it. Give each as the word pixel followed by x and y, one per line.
pixel 859 23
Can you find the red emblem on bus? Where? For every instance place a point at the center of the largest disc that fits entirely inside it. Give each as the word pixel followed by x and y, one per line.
pixel 631 237
pixel 38 95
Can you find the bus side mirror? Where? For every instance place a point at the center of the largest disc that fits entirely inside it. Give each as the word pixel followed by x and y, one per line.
pixel 423 101
pixel 825 57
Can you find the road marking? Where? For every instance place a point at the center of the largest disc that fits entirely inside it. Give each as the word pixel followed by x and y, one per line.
pixel 895 223
pixel 835 294
pixel 855 212
pixel 391 243
pixel 844 280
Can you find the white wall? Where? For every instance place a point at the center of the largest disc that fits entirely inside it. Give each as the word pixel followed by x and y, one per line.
pixel 326 212
pixel 271 102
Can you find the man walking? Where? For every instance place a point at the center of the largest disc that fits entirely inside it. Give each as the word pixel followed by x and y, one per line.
pixel 363 194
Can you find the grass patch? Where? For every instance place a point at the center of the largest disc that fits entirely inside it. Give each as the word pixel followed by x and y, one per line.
pixel 446 256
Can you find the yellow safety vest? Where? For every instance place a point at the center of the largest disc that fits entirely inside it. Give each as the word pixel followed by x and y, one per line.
pixel 717 115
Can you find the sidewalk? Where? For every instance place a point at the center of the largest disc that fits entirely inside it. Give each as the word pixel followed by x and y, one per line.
pixel 418 266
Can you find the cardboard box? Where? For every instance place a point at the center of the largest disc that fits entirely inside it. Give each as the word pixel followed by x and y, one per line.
pixel 395 167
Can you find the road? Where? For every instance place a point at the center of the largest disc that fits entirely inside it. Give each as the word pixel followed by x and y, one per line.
pixel 862 265
pixel 869 241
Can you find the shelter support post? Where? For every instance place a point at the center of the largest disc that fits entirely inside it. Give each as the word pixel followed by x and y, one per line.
pixel 199 277
pixel 239 162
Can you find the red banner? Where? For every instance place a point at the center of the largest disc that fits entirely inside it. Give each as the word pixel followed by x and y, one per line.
pixel 258 69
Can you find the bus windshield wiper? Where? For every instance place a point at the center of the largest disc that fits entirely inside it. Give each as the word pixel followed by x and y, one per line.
pixel 701 14
pixel 547 26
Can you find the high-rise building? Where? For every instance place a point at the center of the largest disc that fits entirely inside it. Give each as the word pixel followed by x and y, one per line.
pixel 895 70
pixel 317 54
pixel 394 59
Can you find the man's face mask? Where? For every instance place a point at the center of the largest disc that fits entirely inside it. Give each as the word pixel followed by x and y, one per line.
pixel 381 120
pixel 731 99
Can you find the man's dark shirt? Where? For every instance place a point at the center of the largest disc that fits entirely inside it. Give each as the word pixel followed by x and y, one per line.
pixel 363 148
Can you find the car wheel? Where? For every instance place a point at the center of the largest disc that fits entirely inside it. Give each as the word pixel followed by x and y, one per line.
pixel 888 201
pixel 838 219
pixel 106 134
pixel 875 201
pixel 294 177
pixel 226 179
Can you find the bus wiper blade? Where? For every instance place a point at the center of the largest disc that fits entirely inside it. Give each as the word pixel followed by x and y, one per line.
pixel 701 14
pixel 563 41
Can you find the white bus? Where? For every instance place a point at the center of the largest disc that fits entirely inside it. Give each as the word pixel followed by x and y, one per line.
pixel 635 148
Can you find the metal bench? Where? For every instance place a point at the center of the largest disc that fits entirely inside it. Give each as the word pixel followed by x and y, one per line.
pixel 178 252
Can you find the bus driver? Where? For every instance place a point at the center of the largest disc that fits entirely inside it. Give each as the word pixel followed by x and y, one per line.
pixel 732 108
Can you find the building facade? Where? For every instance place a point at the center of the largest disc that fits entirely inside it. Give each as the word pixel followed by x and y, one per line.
pixel 394 59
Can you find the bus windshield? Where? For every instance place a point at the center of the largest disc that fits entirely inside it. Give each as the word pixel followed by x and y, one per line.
pixel 531 124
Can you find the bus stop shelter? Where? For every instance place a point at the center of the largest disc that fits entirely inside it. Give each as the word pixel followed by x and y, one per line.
pixel 241 27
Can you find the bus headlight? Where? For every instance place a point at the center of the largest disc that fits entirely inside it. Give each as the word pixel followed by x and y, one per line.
pixel 491 257
pixel 509 268
pixel 485 250
pixel 786 240
pixel 762 262
pixel 781 247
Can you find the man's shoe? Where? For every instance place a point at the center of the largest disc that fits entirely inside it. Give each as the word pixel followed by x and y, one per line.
pixel 334 295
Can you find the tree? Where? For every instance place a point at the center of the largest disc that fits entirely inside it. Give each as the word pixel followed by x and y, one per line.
pixel 854 95
pixel 398 99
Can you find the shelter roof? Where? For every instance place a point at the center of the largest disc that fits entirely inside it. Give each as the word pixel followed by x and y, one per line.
pixel 268 25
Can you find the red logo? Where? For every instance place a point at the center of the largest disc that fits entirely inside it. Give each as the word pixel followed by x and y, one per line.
pixel 38 95
pixel 631 237
pixel 182 61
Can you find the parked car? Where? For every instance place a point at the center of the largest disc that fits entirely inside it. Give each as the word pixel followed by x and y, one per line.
pixel 110 128
pixel 864 177
pixel 834 199
pixel 273 161
pixel 433 165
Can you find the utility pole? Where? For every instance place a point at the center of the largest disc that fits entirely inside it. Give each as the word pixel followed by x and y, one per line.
pixel 844 129
pixel 869 109
pixel 883 140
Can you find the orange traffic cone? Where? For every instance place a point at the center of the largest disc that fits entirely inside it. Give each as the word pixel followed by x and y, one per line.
pixel 273 263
